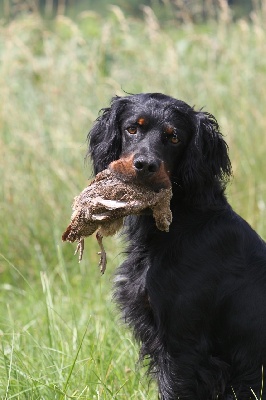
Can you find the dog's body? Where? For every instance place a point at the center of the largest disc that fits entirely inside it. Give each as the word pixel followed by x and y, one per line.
pixel 194 297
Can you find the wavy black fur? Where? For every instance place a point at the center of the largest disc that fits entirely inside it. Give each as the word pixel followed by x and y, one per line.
pixel 195 297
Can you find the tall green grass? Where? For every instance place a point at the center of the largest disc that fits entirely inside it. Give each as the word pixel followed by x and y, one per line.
pixel 59 330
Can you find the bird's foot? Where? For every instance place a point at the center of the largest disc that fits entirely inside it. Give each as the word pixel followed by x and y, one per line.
pixel 102 253
pixel 80 249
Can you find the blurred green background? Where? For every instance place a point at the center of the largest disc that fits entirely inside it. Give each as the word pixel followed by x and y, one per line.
pixel 60 333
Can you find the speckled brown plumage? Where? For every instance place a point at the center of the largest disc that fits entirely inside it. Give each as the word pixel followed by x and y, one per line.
pixel 103 204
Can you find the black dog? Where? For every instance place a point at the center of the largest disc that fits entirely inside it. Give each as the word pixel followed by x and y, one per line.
pixel 195 297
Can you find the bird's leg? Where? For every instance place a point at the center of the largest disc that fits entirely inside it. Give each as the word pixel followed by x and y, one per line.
pixel 102 253
pixel 80 248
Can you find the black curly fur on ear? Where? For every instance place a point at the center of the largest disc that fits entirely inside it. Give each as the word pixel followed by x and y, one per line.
pixel 105 136
pixel 206 165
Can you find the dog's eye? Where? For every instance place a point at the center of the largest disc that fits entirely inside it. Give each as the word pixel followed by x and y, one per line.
pixel 132 130
pixel 174 139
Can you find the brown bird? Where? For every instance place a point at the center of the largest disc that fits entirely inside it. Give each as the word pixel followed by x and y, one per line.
pixel 103 204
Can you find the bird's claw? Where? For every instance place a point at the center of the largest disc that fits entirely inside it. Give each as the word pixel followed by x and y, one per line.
pixel 102 253
pixel 80 249
pixel 103 261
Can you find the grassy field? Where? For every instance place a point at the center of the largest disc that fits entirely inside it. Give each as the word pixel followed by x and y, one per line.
pixel 60 333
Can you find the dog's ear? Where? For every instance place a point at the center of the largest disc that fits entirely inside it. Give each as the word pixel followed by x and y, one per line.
pixel 206 160
pixel 105 139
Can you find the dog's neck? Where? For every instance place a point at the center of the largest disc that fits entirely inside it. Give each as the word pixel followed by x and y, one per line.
pixel 209 197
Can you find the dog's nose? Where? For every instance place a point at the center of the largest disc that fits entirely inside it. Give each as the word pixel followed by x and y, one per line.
pixel 146 165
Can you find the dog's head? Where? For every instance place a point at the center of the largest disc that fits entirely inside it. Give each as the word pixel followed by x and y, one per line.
pixel 158 140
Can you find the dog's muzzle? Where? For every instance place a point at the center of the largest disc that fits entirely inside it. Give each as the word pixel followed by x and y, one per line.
pixel 146 171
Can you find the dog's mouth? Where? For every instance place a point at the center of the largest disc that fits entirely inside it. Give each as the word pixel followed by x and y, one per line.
pixel 153 175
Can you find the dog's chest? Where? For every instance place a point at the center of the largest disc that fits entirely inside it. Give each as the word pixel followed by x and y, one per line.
pixel 132 295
